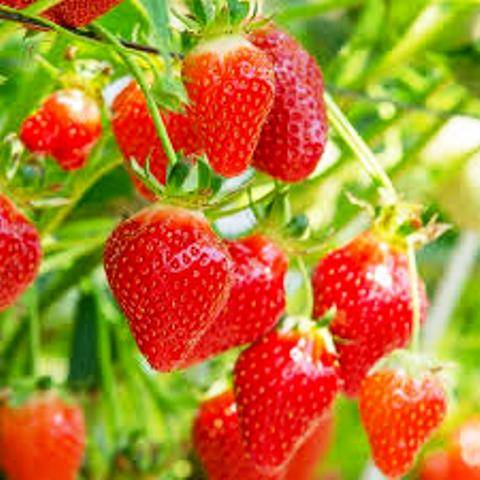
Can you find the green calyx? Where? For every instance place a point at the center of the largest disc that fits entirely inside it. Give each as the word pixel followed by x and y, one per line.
pixel 208 19
pixel 412 364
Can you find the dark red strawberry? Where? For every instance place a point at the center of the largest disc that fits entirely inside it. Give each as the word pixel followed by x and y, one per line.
pixel 256 301
pixel 137 137
pixel 43 439
pixel 67 126
pixel 294 137
pixel 20 253
pixel 231 87
pixel 171 276
pixel 218 443
pixel 284 384
pixel 312 452
pixel 368 283
pixel 399 412
pixel 72 13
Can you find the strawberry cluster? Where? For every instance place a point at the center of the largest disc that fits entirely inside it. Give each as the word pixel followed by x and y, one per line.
pixel 255 100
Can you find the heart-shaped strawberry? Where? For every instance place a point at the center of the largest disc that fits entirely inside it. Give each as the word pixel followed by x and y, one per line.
pixel 171 276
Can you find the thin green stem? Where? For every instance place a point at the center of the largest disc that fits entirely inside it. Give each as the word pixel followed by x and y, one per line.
pixel 41 6
pixel 77 195
pixel 360 149
pixel 15 15
pixel 307 286
pixel 142 82
pixel 33 332
pixel 53 71
pixel 415 295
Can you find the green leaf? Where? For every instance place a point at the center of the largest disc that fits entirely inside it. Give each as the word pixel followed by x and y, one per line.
pixel 159 20
pixel 203 10
pixel 238 10
pixel 83 369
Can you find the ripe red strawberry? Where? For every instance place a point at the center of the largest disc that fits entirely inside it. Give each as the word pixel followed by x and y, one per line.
pixel 218 443
pixel 399 413
pixel 368 283
pixel 284 384
pixel 137 137
pixel 256 301
pixel 217 440
pixel 43 439
pixel 20 253
pixel 464 451
pixel 171 276
pixel 67 126
pixel 231 87
pixel 72 13
pixel 436 466
pixel 311 453
pixel 293 139
pixel 459 459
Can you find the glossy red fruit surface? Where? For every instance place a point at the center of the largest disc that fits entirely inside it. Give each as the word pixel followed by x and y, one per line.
pixel 284 384
pixel 303 465
pixel 72 13
pixel 171 276
pixel 367 282
pixel 67 126
pixel 294 137
pixel 231 87
pixel 257 298
pixel 218 442
pixel 137 137
pixel 20 253
pixel 400 413
pixel 43 439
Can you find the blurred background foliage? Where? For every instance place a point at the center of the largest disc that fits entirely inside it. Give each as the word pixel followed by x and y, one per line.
pixel 407 76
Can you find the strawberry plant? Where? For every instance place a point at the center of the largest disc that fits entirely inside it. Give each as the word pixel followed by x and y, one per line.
pixel 239 239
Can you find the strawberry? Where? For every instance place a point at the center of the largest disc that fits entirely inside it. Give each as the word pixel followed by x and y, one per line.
pixel 436 466
pixel 171 276
pixel 217 440
pixel 137 137
pixel 218 443
pixel 71 13
pixel 311 453
pixel 43 439
pixel 231 87
pixel 20 253
pixel 256 301
pixel 399 412
pixel 67 126
pixel 295 134
pixel 367 282
pixel 464 451
pixel 459 459
pixel 284 384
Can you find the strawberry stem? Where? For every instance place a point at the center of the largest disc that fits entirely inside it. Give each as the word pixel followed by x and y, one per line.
pixel 142 82
pixel 360 149
pixel 307 308
pixel 415 294
pixel 33 332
